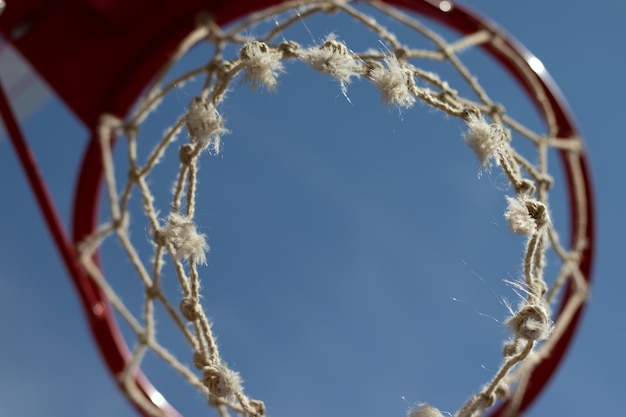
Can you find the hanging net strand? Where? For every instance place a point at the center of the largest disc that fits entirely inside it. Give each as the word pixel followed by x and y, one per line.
pixel 402 81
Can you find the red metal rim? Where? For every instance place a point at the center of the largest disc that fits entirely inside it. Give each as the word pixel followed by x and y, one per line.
pixel 110 28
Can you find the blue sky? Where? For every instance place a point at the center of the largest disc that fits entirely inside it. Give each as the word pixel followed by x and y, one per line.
pixel 357 259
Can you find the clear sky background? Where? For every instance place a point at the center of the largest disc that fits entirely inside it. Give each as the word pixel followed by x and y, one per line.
pixel 357 258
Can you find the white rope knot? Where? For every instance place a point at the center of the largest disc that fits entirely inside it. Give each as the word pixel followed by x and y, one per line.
pixel 289 49
pixel 334 58
pixel 222 381
pixel 204 124
pixel 111 122
pixel 424 410
pixel 394 82
pixel 485 139
pixel 486 401
pixel 532 322
pixel 524 187
pixel 186 154
pixel 510 348
pixel 259 406
pixel 153 292
pixel 526 216
pixel 262 65
pixel 120 223
pixel 199 360
pixel 189 309
pixel 180 232
pixel 502 390
pixel 134 174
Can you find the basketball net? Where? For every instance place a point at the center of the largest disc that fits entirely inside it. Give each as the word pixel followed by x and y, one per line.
pixel 396 70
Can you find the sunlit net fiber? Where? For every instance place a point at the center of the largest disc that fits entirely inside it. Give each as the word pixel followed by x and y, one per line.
pixel 397 72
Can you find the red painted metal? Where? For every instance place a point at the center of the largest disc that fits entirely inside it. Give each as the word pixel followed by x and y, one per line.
pixel 98 55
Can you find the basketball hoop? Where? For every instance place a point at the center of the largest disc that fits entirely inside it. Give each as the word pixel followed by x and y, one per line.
pixel 71 45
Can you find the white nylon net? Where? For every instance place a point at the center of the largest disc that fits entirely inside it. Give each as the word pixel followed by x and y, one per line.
pixel 396 69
